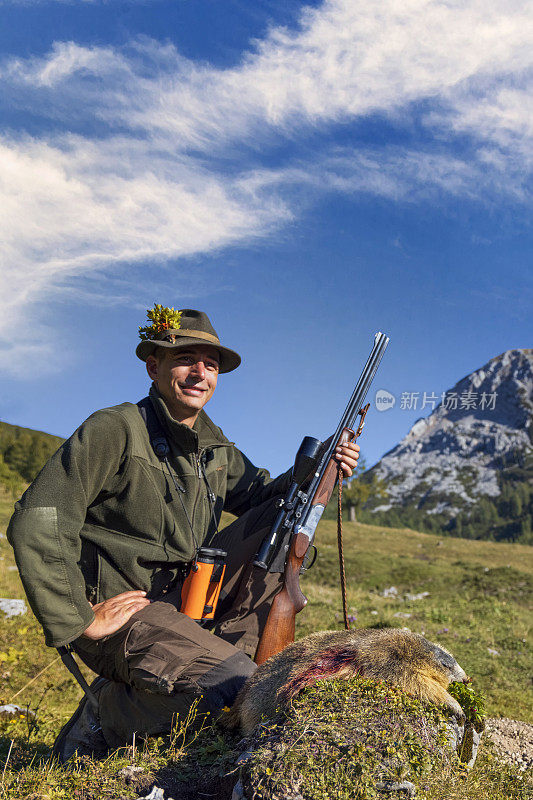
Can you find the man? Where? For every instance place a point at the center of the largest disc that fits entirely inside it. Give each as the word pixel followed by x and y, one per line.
pixel 106 533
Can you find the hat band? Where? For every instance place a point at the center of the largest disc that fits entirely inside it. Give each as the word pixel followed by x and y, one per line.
pixel 191 333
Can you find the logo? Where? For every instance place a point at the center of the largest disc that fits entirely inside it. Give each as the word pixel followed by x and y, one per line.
pixel 384 400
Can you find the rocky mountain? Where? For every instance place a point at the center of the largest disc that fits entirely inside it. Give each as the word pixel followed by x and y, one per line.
pixel 467 468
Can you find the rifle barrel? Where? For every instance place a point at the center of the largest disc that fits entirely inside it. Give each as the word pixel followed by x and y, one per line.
pixel 367 376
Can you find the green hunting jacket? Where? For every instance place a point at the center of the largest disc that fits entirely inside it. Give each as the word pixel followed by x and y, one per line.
pixel 103 516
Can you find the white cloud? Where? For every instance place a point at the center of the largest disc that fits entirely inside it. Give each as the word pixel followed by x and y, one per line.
pixel 178 168
pixel 503 117
pixel 347 60
pixel 66 212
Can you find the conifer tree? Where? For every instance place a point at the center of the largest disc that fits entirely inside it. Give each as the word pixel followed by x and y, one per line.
pixel 355 492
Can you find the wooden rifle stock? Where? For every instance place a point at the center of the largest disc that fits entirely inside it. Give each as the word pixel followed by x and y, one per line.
pixel 281 622
pixel 280 625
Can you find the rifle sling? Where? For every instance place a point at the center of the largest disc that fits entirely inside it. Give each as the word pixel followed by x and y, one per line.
pixel 341 550
pixel 71 664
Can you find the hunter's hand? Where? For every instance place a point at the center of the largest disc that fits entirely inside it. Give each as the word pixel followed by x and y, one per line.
pixel 113 613
pixel 346 455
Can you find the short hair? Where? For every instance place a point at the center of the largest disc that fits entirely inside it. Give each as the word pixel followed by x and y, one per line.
pixel 159 353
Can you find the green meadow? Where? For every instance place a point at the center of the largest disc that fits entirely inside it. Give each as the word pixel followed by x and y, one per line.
pixel 478 606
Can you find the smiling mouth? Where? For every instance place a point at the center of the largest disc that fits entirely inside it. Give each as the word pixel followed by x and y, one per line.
pixel 194 390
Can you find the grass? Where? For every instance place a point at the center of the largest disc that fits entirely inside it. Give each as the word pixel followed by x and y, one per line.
pixel 380 734
pixel 479 600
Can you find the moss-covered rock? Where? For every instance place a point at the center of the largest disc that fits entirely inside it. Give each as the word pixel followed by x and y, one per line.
pixel 349 740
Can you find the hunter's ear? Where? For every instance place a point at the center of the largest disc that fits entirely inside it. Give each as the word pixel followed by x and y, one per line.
pixel 152 367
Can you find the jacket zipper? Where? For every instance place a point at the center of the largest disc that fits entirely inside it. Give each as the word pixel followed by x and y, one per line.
pixel 202 481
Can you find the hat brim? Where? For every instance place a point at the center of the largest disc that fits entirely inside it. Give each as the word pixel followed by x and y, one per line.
pixel 229 359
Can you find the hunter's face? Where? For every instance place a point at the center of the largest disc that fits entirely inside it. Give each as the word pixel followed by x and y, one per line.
pixel 186 379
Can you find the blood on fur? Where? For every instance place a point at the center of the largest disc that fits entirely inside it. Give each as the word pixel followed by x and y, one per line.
pixel 327 664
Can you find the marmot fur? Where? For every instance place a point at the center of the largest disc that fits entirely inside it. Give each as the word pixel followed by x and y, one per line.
pixel 419 667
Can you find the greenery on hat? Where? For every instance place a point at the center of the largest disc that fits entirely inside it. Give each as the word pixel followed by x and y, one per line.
pixel 162 319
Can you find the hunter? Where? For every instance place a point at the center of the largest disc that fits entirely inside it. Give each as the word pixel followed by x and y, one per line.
pixel 106 533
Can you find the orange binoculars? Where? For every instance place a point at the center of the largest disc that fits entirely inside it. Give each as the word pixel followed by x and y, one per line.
pixel 201 588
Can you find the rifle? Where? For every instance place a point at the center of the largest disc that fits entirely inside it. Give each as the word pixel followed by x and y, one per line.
pixel 300 512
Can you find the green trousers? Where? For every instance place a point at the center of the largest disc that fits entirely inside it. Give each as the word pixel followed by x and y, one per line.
pixel 160 661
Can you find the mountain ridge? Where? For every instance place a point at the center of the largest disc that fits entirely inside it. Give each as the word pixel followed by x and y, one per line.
pixel 474 449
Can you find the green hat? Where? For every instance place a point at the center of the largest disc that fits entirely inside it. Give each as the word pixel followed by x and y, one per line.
pixel 188 327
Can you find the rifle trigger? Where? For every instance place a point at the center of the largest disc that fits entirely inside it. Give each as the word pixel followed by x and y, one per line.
pixel 307 563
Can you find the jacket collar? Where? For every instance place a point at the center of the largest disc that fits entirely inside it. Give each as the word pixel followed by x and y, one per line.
pixel 203 434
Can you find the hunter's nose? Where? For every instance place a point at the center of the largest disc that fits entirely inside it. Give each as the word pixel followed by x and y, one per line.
pixel 198 369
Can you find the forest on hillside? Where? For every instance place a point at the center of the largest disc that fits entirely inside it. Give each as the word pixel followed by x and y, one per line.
pixel 23 453
pixel 508 517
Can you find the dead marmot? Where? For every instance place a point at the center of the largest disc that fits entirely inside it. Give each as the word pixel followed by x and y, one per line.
pixel 419 667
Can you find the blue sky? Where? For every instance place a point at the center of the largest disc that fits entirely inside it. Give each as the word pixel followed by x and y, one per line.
pixel 308 174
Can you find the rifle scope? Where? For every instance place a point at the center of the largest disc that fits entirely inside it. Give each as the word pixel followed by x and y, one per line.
pixel 304 464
